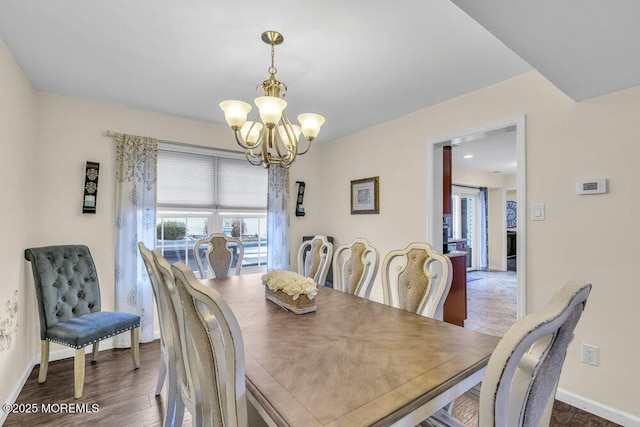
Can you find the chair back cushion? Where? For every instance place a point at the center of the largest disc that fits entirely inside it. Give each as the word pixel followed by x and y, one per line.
pixel 354 267
pixel 313 259
pixel 417 279
pixel 66 283
pixel 413 283
pixel 220 254
pixel 220 257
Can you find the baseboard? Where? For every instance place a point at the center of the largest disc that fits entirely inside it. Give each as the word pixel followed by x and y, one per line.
pixel 17 388
pixel 68 352
pixel 599 409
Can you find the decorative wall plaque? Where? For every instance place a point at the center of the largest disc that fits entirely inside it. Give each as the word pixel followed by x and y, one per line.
pixel 90 187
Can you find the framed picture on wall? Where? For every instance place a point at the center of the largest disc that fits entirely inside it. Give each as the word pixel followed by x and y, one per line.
pixel 364 196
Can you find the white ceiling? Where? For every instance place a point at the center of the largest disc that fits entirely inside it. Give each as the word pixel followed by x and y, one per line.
pixel 357 62
pixel 586 48
pixel 493 152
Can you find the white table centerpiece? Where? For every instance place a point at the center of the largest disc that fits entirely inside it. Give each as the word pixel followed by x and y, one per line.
pixel 290 290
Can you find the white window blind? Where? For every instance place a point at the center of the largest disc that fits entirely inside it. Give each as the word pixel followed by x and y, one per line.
pixel 209 181
pixel 241 185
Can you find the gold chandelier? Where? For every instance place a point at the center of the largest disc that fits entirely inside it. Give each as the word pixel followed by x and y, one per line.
pixel 261 142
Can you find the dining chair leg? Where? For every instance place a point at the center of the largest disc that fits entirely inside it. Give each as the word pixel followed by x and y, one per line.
pixel 78 372
pixel 94 353
pixel 44 361
pixel 135 347
pixel 449 407
pixel 179 411
pixel 162 373
pixel 171 415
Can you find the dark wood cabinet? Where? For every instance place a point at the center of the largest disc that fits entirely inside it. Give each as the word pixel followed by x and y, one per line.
pixel 455 306
pixel 446 181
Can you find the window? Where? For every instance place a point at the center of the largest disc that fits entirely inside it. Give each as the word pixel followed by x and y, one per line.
pixel 203 191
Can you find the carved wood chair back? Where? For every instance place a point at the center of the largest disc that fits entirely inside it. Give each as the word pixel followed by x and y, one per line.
pixel 184 387
pixel 314 258
pixel 354 267
pixel 168 368
pixel 217 340
pixel 219 256
pixel 417 279
pixel 520 383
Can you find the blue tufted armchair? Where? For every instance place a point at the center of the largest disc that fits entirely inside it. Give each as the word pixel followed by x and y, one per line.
pixel 69 306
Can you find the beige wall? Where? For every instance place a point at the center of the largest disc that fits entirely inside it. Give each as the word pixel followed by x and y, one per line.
pixel 565 141
pixel 17 194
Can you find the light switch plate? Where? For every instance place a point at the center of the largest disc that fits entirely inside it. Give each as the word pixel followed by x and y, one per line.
pixel 537 212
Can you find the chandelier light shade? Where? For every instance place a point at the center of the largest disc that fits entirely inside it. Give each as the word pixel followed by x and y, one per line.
pixel 261 143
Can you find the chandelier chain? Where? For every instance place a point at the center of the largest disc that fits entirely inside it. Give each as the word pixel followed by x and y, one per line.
pixel 273 70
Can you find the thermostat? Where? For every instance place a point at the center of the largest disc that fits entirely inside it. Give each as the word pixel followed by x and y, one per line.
pixel 592 186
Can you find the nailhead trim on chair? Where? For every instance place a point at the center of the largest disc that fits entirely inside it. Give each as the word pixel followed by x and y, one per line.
pixel 94 341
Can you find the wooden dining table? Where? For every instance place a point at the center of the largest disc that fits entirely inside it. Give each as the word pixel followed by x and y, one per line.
pixel 352 362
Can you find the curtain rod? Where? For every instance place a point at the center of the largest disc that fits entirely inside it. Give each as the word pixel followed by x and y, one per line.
pixel 467 186
pixel 184 144
pixel 117 134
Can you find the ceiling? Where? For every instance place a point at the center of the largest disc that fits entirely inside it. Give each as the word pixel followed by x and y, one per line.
pixel 357 62
pixel 493 152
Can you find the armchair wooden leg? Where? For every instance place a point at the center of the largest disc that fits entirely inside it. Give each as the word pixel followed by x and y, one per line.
pixel 78 372
pixel 94 353
pixel 44 361
pixel 135 348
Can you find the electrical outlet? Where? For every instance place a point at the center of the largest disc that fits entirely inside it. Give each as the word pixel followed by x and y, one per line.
pixel 590 354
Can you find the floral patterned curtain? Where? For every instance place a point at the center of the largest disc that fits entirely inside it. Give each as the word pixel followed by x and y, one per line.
pixel 278 218
pixel 136 162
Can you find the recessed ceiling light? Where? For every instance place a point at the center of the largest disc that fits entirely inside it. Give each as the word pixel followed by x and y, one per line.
pixel 468 156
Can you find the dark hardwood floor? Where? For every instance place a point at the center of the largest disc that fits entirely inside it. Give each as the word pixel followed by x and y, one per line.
pixel 126 397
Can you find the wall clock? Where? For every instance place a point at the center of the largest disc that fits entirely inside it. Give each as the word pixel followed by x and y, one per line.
pixel 511 214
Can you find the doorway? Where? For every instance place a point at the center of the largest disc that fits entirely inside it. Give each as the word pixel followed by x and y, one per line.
pixel 497 221
pixel 466 221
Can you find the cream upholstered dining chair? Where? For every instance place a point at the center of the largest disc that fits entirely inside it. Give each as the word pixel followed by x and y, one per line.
pixel 219 255
pixel 354 267
pixel 167 347
pixel 420 280
pixel 314 257
pixel 183 388
pixel 217 340
pixel 68 297
pixel 519 385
